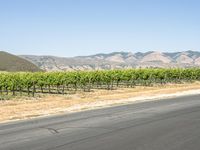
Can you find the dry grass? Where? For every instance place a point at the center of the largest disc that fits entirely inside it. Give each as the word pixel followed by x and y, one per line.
pixel 24 108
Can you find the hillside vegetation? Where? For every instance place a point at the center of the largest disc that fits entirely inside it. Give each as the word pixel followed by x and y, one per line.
pixel 12 63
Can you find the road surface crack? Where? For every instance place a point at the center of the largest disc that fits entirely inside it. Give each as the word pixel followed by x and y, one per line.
pixel 52 130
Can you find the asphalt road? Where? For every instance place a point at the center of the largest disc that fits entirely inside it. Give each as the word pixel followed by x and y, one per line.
pixel 172 124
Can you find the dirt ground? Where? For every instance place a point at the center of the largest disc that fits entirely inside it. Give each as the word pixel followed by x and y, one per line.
pixel 43 105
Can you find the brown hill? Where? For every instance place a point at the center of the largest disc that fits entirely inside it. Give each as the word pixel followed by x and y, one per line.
pixel 9 62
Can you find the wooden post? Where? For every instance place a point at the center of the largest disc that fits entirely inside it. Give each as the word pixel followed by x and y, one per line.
pixel 49 88
pixel 63 90
pixel 33 92
pixel 28 89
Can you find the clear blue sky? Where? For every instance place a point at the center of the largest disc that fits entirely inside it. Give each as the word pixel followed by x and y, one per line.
pixel 83 27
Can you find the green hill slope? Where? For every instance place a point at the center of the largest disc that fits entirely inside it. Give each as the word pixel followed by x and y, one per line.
pixel 9 62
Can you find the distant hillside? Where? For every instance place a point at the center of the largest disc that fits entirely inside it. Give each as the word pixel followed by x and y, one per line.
pixel 9 62
pixel 118 60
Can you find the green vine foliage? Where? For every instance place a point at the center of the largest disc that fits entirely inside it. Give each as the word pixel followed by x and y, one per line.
pixel 61 82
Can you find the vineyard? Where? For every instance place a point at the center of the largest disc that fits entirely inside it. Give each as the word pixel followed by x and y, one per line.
pixel 70 82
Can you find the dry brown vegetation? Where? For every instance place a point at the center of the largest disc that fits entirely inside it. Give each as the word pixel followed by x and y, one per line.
pixel 27 107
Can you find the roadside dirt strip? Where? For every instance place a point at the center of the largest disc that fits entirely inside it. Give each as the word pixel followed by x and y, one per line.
pixel 44 105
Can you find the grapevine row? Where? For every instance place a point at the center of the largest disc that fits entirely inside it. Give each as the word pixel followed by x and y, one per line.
pixel 63 82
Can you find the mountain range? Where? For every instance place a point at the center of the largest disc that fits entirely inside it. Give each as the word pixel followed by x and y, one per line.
pixel 118 60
